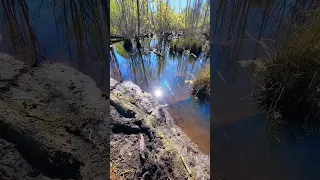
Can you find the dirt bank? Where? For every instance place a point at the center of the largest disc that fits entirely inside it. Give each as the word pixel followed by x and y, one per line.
pixel 54 124
pixel 151 144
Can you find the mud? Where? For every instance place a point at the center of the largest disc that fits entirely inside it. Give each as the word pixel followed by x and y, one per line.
pixel 53 123
pixel 165 145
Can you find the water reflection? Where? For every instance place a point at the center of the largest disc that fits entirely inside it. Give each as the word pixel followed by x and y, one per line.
pixel 158 93
pixel 167 76
pixel 84 24
pixel 239 28
pixel 16 20
pixel 72 32
pixel 116 73
pixel 242 149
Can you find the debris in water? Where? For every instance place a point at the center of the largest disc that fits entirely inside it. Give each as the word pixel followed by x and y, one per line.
pixel 221 77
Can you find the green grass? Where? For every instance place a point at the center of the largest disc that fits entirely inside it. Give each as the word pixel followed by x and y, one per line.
pixel 288 86
pixel 201 84
pixel 194 45
pixel 121 50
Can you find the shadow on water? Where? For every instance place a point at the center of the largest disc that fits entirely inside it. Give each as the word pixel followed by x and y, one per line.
pixel 70 32
pixel 20 34
pixel 242 148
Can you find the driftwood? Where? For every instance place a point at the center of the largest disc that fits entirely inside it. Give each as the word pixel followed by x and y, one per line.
pixel 116 41
pixel 116 37
pixel 155 52
pixel 193 55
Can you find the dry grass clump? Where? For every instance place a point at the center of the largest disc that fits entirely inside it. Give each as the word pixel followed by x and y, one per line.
pixel 201 84
pixel 289 85
pixel 192 44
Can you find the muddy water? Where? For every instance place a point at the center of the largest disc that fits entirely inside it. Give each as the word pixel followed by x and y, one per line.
pixel 167 79
pixel 241 147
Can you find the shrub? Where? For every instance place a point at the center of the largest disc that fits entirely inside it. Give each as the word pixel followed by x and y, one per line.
pixel 201 84
pixel 289 85
pixel 193 44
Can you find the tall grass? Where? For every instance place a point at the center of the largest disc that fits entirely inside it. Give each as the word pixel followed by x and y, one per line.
pixel 289 85
pixel 201 84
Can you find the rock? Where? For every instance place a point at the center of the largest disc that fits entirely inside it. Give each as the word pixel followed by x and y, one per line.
pixel 63 138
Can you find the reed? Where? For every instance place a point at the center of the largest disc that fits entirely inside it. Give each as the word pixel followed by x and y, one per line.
pixel 288 86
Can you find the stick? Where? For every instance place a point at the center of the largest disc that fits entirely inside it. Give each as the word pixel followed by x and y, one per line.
pixel 142 146
pixel 221 77
pixel 127 171
pixel 186 166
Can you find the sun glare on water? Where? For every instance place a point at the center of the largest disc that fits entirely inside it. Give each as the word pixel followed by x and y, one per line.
pixel 158 93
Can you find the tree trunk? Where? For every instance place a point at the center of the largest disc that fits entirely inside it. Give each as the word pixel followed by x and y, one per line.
pixel 138 18
pixel 138 36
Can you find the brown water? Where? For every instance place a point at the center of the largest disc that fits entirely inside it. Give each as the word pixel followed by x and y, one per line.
pixel 241 148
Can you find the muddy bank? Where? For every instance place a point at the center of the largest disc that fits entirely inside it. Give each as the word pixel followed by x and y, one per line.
pixel 54 124
pixel 53 119
pixel 145 142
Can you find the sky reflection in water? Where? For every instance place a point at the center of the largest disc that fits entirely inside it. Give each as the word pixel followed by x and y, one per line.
pixel 165 77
